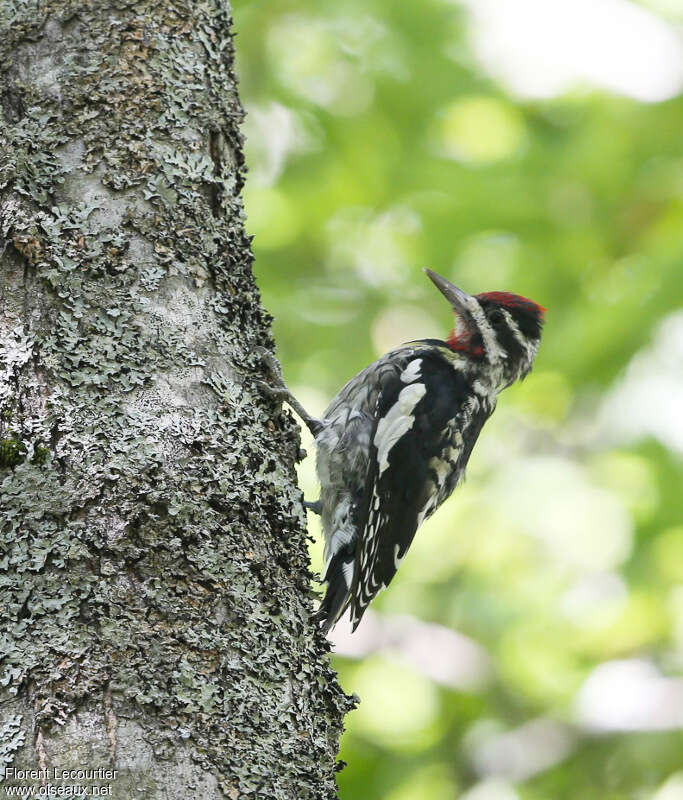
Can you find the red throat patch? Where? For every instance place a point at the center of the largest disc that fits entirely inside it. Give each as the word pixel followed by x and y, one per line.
pixel 462 343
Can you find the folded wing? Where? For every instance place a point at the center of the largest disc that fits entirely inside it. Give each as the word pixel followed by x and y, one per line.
pixel 426 422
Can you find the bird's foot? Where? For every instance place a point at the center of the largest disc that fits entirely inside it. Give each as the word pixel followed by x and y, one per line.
pixel 316 507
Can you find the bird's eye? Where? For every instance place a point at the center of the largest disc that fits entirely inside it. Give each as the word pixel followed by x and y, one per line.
pixel 495 316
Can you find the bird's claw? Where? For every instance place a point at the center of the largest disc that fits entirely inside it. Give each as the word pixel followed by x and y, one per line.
pixel 275 392
pixel 270 363
pixel 316 506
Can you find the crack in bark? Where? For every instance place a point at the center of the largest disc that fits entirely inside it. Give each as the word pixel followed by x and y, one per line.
pixel 42 753
pixel 110 718
pixel 216 144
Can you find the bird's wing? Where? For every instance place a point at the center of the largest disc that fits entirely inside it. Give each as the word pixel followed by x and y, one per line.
pixel 351 422
pixel 416 458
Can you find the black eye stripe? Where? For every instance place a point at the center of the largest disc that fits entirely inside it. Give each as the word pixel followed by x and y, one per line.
pixel 509 342
pixel 529 324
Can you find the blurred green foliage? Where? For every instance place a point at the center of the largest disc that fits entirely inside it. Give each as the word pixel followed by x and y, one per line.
pixel 378 144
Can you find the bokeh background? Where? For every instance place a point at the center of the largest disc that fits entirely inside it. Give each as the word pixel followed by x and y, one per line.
pixel 531 645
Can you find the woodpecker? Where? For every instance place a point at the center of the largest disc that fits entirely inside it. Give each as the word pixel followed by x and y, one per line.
pixel 395 441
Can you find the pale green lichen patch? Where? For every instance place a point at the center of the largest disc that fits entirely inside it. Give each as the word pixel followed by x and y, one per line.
pixel 12 738
pixel 152 540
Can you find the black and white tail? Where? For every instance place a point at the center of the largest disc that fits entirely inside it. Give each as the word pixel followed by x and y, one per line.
pixel 339 577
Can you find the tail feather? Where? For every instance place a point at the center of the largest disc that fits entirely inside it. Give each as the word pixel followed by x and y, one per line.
pixel 339 576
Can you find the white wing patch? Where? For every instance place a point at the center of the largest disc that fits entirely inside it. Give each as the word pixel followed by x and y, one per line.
pixel 412 371
pixel 398 421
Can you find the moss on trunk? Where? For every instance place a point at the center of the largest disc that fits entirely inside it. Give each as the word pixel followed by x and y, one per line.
pixel 154 578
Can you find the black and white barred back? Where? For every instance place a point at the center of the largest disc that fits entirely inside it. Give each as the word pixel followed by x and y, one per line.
pixel 396 440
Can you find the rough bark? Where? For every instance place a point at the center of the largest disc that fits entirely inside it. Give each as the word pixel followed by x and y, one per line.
pixel 154 582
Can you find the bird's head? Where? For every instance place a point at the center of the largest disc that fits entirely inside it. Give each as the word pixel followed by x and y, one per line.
pixel 500 328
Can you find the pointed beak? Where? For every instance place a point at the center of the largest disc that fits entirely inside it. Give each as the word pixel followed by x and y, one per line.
pixel 458 299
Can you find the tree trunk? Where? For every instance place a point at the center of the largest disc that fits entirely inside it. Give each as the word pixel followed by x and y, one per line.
pixel 154 581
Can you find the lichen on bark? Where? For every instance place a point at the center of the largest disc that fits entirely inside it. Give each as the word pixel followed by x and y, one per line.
pixel 154 578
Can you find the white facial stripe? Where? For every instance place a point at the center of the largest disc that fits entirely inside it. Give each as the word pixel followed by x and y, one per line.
pixel 493 350
pixel 514 327
pixel 412 371
pixel 398 421
pixel 528 346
